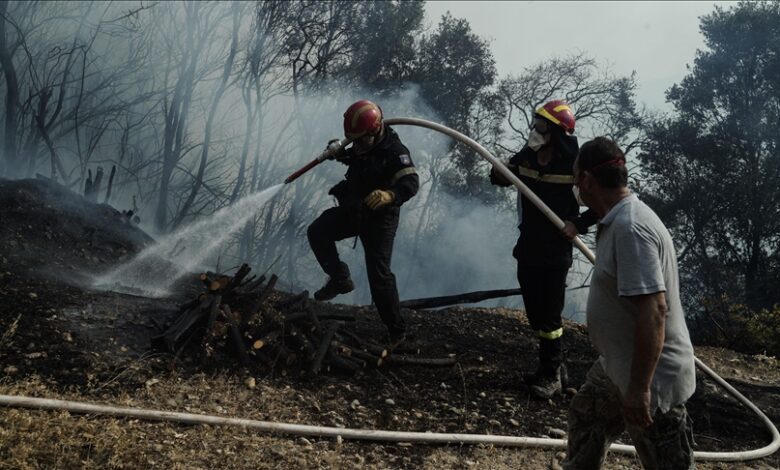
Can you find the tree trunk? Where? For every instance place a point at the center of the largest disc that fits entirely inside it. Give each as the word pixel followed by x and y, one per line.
pixel 11 98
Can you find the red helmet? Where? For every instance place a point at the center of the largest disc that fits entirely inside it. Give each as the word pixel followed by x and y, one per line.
pixel 558 112
pixel 362 118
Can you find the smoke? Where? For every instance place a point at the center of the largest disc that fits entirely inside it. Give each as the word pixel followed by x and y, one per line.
pixel 445 244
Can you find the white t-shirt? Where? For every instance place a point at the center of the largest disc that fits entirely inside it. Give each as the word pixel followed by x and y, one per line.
pixel 635 255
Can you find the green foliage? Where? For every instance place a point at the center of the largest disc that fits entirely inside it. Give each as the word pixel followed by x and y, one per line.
pixel 454 69
pixel 735 325
pixel 384 44
pixel 713 170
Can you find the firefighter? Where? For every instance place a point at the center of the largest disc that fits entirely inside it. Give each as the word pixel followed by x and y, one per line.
pixel 543 253
pixel 379 179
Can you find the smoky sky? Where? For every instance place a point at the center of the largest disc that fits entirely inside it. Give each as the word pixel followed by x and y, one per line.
pixel 130 57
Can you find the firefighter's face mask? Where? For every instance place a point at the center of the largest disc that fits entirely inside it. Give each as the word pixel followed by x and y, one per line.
pixel 366 143
pixel 539 136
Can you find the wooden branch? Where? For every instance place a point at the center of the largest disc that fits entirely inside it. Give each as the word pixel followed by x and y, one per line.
pixel 366 346
pixel 293 301
pixel 235 336
pixel 213 314
pixel 251 285
pixel 420 361
pixel 467 298
pixel 312 317
pixel 263 294
pixel 350 351
pixel 347 364
pixel 242 272
pixel 268 338
pixel 327 336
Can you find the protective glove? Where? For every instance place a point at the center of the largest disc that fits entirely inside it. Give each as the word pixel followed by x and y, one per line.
pixel 340 154
pixel 379 198
pixel 497 178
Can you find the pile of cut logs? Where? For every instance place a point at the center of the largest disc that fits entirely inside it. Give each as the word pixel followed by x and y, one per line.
pixel 237 314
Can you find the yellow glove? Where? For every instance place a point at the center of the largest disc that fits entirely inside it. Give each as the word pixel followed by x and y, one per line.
pixel 379 198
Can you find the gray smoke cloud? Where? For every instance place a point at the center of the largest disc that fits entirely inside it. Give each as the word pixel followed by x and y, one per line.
pixel 445 244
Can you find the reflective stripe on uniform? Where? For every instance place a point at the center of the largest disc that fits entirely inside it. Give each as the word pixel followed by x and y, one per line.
pixel 554 334
pixel 401 173
pixel 558 179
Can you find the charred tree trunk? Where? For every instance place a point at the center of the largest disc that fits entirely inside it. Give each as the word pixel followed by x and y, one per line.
pixel 204 156
pixel 11 96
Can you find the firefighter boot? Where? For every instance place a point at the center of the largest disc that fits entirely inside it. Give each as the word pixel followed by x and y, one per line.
pixel 339 282
pixel 546 381
pixel 531 378
pixel 334 287
pixel 547 385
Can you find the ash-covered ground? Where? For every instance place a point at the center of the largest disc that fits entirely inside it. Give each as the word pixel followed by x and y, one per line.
pixel 61 339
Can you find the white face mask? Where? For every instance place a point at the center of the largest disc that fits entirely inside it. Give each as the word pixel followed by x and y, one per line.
pixel 536 140
pixel 577 196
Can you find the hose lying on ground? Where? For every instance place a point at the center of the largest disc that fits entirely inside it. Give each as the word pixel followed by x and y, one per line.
pixel 400 436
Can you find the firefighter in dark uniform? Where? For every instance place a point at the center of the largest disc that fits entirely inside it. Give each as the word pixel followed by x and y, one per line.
pixel 380 178
pixel 543 253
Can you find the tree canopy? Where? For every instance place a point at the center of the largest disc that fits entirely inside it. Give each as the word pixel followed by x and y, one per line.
pixel 712 169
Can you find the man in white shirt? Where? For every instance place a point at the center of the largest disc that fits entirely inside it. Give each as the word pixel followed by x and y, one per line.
pixel 645 372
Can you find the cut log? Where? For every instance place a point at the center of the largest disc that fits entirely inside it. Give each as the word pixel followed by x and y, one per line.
pixel 270 337
pixel 365 356
pixel 365 345
pixel 311 315
pixel 292 302
pixel 168 340
pixel 235 336
pixel 327 336
pixel 215 303
pixel 252 285
pixel 346 364
pixel 467 298
pixel 420 361
pixel 263 294
pixel 235 281
pixel 223 281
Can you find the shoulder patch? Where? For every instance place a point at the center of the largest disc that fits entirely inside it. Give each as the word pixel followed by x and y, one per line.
pixel 405 159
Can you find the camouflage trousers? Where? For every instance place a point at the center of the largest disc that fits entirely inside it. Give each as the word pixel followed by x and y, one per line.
pixel 596 420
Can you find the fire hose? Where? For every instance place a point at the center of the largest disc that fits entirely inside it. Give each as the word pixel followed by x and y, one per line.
pixel 328 153
pixel 401 436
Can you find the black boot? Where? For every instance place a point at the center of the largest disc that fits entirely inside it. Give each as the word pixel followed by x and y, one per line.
pixel 549 378
pixel 334 287
pixel 339 281
pixel 547 384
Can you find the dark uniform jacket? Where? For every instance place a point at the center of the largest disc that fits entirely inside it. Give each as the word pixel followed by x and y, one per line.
pixel 387 166
pixel 540 242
